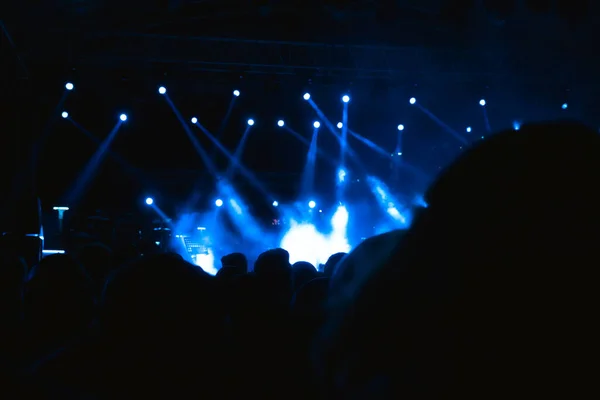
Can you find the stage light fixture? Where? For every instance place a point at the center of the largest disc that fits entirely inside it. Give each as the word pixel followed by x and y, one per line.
pixel 312 204
pixel 162 90
pixel 236 93
pixel 219 203
pixel 65 114
pixel 275 203
pixel 412 100
pixel 149 201
pixel 516 125
pixel 400 127
pixel 340 125
pixel 280 123
pixel 69 86
pixel 469 129
pixel 250 122
pixel 317 124
pixel 306 96
pixel 565 106
pixel 482 103
pixel 346 98
pixel 123 117
pixel 194 120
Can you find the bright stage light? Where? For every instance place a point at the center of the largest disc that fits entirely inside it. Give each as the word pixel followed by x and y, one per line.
pixel 482 103
pixel 250 122
pixel 341 175
pixel 312 204
pixel 236 93
pixel 275 203
pixel 69 86
pixel 162 90
pixel 469 129
pixel 123 117
pixel 317 124
pixel 400 127
pixel 565 106
pixel 306 96
pixel 280 123
pixel 399 153
pixel 219 203
pixel 413 100
pixel 345 98
pixel 149 201
pixel 65 114
pixel 194 120
pixel 340 125
pixel 516 125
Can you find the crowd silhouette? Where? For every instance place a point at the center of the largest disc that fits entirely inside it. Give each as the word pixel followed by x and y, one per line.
pixel 491 293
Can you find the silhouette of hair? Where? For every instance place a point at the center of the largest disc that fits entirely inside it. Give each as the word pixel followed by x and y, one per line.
pixel 332 263
pixel 237 260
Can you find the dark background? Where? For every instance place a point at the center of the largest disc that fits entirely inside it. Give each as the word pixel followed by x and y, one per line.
pixel 525 57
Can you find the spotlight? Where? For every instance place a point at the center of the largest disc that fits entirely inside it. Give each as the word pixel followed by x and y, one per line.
pixel 280 123
pixel 149 201
pixel 516 125
pixel 399 153
pixel 400 127
pixel 565 106
pixel 162 90
pixel 469 129
pixel 345 98
pixel 65 114
pixel 317 124
pixel 341 175
pixel 219 203
pixel 482 103
pixel 123 117
pixel 340 125
pixel 412 100
pixel 69 86
pixel 236 93
pixel 194 120
pixel 306 96
pixel 275 203
pixel 250 122
pixel 312 204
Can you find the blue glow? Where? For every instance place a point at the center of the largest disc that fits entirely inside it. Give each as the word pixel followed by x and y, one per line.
pixel 399 153
pixel 194 120
pixel 413 100
pixel 565 106
pixel 250 122
pixel 236 93
pixel 317 124
pixel 516 125
pixel 306 96
pixel 340 125
pixel 482 103
pixel 149 201
pixel 69 86
pixel 219 203
pixel 400 127
pixel 123 117
pixel 341 175
pixel 469 129
pixel 312 204
pixel 65 114
pixel 280 123
pixel 346 98
pixel 275 203
pixel 162 90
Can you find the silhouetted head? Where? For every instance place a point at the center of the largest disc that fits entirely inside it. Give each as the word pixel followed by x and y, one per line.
pixel 302 273
pixel 332 263
pixel 237 261
pixel 276 261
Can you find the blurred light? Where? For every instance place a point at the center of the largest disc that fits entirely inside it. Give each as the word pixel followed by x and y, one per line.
pixel 236 93
pixel 317 124
pixel 65 114
pixel 565 106
pixel 280 123
pixel 250 122
pixel 219 203
pixel 275 203
pixel 413 100
pixel 162 90
pixel 516 125
pixel 340 125
pixel 483 137
pixel 312 204
pixel 400 127
pixel 341 175
pixel 346 98
pixel 469 129
pixel 149 201
pixel 306 96
pixel 482 103
pixel 399 153
pixel 61 208
pixel 194 120
pixel 123 117
pixel 69 86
